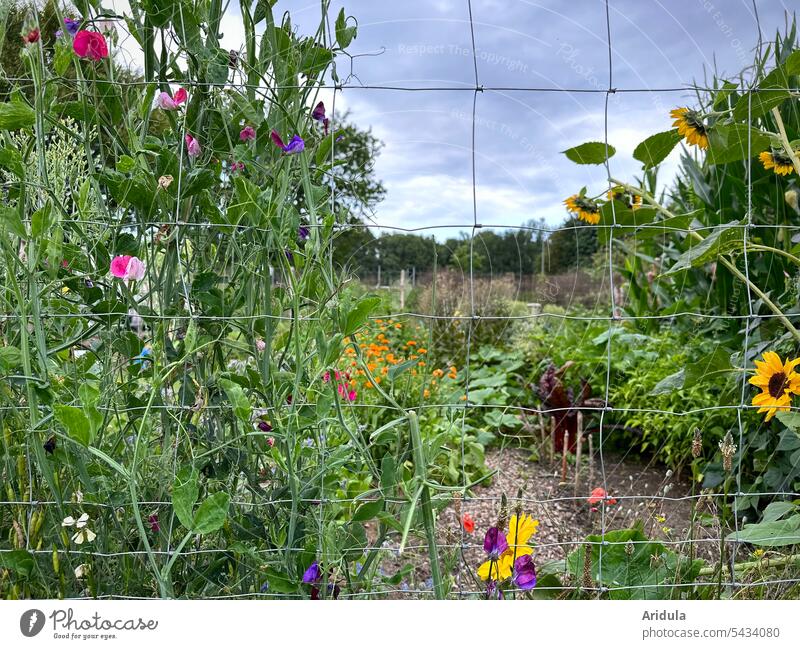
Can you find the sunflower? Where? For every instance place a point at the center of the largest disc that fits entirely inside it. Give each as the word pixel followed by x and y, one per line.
pixel 778 161
pixel 690 125
pixel 629 199
pixel 517 540
pixel 777 381
pixel 585 208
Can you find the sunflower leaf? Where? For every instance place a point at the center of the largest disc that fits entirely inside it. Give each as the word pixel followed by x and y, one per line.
pixel 656 148
pixel 590 153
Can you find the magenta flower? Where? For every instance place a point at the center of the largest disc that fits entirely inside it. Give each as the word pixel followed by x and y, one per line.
pixel 153 521
pixel 90 45
pixel 525 572
pixel 192 146
pixel 312 574
pixel 494 543
pixel 295 145
pixel 247 134
pixel 127 267
pixel 165 102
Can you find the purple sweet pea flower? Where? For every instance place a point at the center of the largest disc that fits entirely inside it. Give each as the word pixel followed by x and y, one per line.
pixel 494 543
pixel 493 591
pixel 525 572
pixel 295 145
pixel 303 232
pixel 72 25
pixel 319 115
pixel 312 574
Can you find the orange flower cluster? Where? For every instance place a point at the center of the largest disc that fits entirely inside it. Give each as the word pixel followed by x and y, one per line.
pixel 383 344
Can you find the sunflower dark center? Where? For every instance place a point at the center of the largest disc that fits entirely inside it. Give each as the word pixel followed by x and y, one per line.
pixel 586 205
pixel 781 158
pixel 693 119
pixel 777 385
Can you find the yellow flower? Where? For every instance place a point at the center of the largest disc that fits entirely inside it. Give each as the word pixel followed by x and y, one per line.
pixel 690 125
pixel 778 161
pixel 777 381
pixel 517 538
pixel 586 209
pixel 628 199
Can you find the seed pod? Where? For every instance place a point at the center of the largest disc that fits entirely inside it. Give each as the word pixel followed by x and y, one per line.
pixel 728 450
pixel 697 443
pixel 502 519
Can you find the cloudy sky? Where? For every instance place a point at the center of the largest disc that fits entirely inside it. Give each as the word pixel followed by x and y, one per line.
pixel 426 163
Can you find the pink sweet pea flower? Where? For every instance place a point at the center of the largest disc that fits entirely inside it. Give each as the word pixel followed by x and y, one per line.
pixel 247 134
pixel 192 146
pixel 165 102
pixel 127 267
pixel 90 45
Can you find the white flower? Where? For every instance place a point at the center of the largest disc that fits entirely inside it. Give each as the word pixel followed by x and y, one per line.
pixel 84 534
pixel 81 570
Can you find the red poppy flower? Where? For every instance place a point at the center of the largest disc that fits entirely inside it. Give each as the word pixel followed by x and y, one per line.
pixel 599 494
pixel 468 523
pixel 90 45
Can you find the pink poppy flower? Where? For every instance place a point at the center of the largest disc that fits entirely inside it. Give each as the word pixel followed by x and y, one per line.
pixel 90 45
pixel 247 134
pixel 192 146
pixel 165 102
pixel 127 267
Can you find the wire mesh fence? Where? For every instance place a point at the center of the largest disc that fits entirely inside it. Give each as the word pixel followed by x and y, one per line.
pixel 232 367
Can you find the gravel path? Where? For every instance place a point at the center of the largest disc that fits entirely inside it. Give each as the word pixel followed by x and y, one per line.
pixel 645 494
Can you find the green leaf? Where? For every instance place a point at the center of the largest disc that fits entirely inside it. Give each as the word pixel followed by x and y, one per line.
pixel 777 510
pixel 212 513
pixel 723 238
pixel 20 562
pixel 12 160
pixel 790 419
pixel 10 357
pixel 75 422
pixel 368 511
pixel 396 370
pixel 16 115
pixel 125 164
pixel 729 143
pixel 772 534
pixel 185 490
pixel 358 315
pixel 238 399
pixel 670 383
pixel 10 221
pixel 589 153
pixel 41 221
pixel 717 361
pixel 344 33
pixel 656 148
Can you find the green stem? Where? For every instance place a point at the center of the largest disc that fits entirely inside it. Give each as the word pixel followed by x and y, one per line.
pixel 425 503
pixel 785 140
